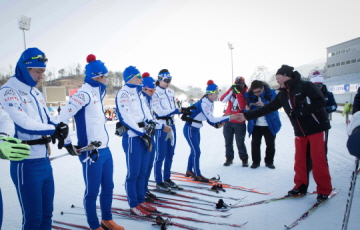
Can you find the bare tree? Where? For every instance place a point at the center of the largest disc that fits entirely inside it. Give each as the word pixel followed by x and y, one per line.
pixel 61 72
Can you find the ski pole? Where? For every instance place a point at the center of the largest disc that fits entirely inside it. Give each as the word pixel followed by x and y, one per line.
pixel 350 195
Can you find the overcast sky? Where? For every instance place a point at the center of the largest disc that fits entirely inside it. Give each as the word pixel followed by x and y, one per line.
pixel 188 37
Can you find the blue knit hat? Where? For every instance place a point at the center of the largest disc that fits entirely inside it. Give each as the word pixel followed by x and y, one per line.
pixel 130 72
pixel 33 58
pixel 148 82
pixel 211 87
pixel 94 68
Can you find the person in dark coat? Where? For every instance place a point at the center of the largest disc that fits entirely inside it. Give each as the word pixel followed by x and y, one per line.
pixel 257 96
pixel 304 104
pixel 318 80
pixel 356 104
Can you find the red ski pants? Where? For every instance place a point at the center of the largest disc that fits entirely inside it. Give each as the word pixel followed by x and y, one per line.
pixel 317 143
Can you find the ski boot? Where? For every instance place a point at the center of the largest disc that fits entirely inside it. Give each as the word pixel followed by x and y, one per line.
pixel 147 207
pixel 321 198
pixel 171 184
pixel 162 187
pixel 139 211
pixel 189 174
pixel 110 225
pixel 201 178
pixel 296 192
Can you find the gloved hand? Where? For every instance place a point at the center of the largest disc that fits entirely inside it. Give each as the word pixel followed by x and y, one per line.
pixel 72 150
pixel 61 132
pixel 147 140
pixel 187 110
pixel 120 129
pixel 12 149
pixel 150 129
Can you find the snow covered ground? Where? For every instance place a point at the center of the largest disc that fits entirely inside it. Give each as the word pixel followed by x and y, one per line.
pixel 69 186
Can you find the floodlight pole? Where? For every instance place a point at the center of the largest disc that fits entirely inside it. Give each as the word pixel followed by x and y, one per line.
pixel 232 65
pixel 24 24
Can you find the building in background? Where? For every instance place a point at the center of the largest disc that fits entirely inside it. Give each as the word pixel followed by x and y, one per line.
pixel 342 72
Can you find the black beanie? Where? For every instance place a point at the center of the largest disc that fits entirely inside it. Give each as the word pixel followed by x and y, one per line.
pixel 286 71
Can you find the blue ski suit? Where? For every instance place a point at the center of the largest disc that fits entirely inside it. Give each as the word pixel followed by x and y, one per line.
pixel 132 110
pixel 86 105
pixel 203 112
pixel 165 107
pixel 32 177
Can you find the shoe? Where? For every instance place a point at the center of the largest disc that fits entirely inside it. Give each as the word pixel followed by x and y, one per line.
pixel 271 166
pixel 163 187
pixel 245 163
pixel 201 179
pixel 228 161
pixel 321 198
pixel 110 225
pixel 149 199
pixel 152 195
pixel 170 183
pixel 147 207
pixel 254 165
pixel 296 192
pixel 139 211
pixel 189 174
pixel 99 228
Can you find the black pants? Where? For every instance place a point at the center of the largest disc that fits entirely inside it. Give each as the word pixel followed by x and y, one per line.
pixel 238 130
pixel 257 134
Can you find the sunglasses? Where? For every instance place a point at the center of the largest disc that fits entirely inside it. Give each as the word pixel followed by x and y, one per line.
pixel 138 76
pixel 319 85
pixel 41 58
pixel 212 92
pixel 258 91
pixel 150 90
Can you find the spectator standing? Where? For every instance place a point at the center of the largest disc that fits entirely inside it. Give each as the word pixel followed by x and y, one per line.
pixel 266 126
pixel 318 80
pixel 356 104
pixel 234 97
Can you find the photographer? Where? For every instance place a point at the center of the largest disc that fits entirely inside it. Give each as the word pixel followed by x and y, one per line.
pixel 234 97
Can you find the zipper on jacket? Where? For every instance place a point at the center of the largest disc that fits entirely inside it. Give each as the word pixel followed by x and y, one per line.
pixel 291 107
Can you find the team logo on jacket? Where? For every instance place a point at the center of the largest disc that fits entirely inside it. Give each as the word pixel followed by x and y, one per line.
pixel 70 110
pixel 9 92
pixel 80 96
pixel 22 93
pixel 11 104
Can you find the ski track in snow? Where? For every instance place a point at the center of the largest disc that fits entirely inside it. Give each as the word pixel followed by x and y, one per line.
pixel 69 184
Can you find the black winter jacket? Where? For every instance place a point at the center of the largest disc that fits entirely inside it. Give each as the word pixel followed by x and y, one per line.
pixel 303 102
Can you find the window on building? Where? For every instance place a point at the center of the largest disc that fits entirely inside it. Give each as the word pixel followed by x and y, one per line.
pixel 343 51
pixel 342 63
pixel 347 49
pixel 338 64
pixel 347 62
pixel 358 60
pixel 329 66
pixel 333 65
pixel 358 47
pixel 353 60
pixel 332 54
pixel 338 52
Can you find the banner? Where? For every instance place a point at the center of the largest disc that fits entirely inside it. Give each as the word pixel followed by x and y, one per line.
pixel 346 88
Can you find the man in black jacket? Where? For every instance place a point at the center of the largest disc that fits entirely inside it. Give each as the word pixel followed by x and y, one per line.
pixel 305 106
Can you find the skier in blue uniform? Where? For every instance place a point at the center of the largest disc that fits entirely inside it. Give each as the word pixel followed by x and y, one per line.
pixel 10 148
pixel 33 177
pixel 138 128
pixel 165 107
pixel 203 111
pixel 86 105
pixel 148 91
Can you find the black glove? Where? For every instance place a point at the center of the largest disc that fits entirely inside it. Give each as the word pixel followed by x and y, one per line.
pixel 120 129
pixel 150 129
pixel 72 150
pixel 61 132
pixel 147 141
pixel 187 110
pixel 237 88
pixel 217 125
